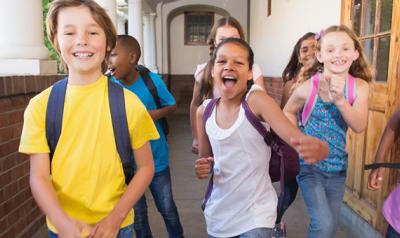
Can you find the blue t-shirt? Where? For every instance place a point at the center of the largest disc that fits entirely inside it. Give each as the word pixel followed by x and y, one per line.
pixel 159 147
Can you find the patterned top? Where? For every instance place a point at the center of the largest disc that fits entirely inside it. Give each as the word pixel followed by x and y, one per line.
pixel 327 124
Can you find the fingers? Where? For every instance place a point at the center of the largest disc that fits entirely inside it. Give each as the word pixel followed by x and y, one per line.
pixel 203 167
pixel 375 179
pixel 310 149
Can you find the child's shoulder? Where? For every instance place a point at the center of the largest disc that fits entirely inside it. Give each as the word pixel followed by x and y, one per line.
pixel 361 82
pixel 41 99
pixel 302 89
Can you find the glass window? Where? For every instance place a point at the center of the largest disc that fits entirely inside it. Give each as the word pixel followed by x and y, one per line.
pixel 382 61
pixel 197 27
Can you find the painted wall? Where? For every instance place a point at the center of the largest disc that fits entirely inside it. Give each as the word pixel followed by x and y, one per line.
pixel 273 37
pixel 185 58
pixel 185 61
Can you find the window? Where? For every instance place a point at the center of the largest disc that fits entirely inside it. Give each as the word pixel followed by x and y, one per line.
pixel 372 21
pixel 197 27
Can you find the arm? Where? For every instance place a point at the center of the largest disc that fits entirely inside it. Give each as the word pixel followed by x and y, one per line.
pixel 194 104
pixel 260 82
pixel 390 134
pixel 109 226
pixel 356 116
pixel 286 93
pixel 162 112
pixel 311 149
pixel 203 165
pixel 296 101
pixel 45 196
pixel 258 77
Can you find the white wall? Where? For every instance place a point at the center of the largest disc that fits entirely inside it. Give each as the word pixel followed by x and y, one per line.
pixel 272 38
pixel 236 8
pixel 185 58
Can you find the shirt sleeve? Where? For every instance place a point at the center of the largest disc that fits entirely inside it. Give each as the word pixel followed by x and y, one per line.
pixel 33 137
pixel 198 74
pixel 256 72
pixel 141 126
pixel 165 96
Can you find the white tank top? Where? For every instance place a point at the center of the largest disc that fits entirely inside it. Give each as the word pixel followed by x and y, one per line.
pixel 242 197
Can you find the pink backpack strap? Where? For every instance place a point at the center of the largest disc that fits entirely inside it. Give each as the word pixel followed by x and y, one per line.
pixel 351 89
pixel 311 100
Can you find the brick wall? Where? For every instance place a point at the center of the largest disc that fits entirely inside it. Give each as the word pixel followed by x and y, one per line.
pixel 19 215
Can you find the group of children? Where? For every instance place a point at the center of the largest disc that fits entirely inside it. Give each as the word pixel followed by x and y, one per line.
pixel 83 188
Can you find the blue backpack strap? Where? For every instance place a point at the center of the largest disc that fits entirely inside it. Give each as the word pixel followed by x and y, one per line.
pixel 54 114
pixel 206 114
pixel 120 126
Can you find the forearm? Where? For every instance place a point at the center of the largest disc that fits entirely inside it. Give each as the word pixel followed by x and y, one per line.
pixel 162 112
pixel 193 119
pixel 45 196
pixel 133 192
pixel 355 119
pixel 389 135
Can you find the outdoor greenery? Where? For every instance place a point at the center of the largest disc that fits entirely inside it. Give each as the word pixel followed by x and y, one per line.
pixel 52 52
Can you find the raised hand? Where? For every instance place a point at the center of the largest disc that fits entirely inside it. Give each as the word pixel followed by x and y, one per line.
pixel 336 87
pixel 203 167
pixel 310 149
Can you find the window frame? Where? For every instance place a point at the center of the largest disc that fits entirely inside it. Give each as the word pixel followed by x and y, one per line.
pixel 196 13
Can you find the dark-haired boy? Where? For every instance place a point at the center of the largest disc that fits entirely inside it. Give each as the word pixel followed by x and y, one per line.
pixel 123 62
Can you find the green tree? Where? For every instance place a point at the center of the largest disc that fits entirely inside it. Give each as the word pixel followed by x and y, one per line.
pixel 52 52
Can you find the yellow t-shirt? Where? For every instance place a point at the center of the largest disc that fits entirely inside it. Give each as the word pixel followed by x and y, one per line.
pixel 87 172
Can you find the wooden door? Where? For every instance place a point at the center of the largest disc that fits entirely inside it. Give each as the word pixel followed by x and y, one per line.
pixel 376 22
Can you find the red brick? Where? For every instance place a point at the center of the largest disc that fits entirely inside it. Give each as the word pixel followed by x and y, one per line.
pixel 11 118
pixel 9 147
pixel 18 86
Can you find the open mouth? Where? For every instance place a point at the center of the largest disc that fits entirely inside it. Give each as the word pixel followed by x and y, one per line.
pixel 229 81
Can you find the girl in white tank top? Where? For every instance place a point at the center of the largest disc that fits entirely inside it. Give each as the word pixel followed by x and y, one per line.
pixel 242 200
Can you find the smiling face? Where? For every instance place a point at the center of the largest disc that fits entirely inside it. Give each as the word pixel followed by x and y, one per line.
pixel 307 51
pixel 231 70
pixel 224 32
pixel 80 40
pixel 337 52
pixel 121 62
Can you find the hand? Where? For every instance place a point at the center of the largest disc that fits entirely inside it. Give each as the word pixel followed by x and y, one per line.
pixel 203 167
pixel 195 146
pixel 375 178
pixel 106 228
pixel 310 149
pixel 74 229
pixel 336 88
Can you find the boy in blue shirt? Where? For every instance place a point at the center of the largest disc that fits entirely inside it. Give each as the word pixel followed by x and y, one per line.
pixel 122 64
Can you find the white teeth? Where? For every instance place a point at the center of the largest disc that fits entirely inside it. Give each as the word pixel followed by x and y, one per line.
pixel 83 54
pixel 229 77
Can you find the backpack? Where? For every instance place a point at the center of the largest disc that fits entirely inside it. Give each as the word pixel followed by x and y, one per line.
pixel 283 164
pixel 350 95
pixel 145 73
pixel 54 117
